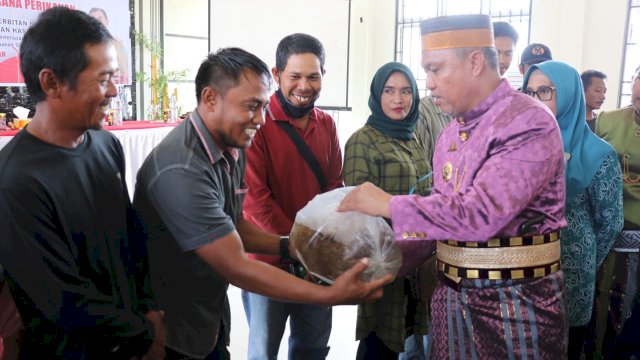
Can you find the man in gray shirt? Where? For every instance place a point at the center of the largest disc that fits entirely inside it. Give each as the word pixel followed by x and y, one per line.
pixel 189 194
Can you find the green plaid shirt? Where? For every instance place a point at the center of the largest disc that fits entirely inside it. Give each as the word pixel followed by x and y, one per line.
pixel 430 124
pixel 391 164
pixel 394 166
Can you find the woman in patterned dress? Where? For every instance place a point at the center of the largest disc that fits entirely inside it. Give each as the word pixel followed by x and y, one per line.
pixel 594 191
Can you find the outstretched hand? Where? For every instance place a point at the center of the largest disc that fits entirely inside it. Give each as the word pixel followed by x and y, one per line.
pixel 349 289
pixel 367 199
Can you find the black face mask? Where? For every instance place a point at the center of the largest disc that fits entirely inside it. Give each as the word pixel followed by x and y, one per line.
pixel 295 112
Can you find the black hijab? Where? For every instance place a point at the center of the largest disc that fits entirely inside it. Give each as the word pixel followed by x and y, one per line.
pixel 378 120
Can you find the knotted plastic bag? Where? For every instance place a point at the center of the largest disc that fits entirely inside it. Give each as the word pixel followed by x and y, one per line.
pixel 328 243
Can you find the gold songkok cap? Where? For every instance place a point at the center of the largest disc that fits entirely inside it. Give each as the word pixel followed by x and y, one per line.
pixel 456 31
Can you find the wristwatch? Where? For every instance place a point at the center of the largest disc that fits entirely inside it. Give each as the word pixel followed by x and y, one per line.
pixel 284 248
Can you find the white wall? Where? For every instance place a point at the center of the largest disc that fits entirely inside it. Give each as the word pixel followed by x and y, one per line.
pixel 586 34
pixel 373 33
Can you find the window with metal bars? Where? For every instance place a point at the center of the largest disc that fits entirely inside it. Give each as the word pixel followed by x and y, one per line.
pixel 411 12
pixel 631 56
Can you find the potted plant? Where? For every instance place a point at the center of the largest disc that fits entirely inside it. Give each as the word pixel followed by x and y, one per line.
pixel 158 80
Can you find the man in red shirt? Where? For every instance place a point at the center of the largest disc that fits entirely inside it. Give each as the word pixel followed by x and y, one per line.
pixel 281 182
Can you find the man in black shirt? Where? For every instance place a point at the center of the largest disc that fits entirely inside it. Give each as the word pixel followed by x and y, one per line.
pixel 74 264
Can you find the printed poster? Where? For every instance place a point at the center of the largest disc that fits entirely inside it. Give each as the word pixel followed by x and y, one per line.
pixel 17 15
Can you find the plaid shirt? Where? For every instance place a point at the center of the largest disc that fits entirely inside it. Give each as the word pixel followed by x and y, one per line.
pixel 430 124
pixel 391 164
pixel 394 166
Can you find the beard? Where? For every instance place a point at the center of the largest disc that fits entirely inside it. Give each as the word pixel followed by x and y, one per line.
pixel 228 142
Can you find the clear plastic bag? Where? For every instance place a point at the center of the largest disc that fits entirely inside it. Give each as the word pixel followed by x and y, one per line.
pixel 328 243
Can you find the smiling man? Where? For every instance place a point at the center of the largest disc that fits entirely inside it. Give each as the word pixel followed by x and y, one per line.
pixel 75 268
pixel 190 193
pixel 281 182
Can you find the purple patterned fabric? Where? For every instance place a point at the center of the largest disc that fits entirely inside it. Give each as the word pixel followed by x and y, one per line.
pixel 488 319
pixel 509 170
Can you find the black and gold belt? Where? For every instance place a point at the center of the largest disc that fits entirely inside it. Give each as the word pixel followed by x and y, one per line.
pixel 500 258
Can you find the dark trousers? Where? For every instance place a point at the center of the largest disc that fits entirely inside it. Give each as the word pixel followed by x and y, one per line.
pixel 627 344
pixel 372 348
pixel 577 337
pixel 219 353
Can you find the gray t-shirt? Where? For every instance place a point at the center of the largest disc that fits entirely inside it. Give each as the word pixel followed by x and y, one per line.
pixel 188 194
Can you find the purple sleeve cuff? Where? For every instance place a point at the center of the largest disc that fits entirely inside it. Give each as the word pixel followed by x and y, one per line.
pixel 412 240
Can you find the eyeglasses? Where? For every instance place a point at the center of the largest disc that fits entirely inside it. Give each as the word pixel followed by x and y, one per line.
pixel 544 93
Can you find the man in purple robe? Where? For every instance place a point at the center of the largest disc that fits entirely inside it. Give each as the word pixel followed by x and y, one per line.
pixel 496 209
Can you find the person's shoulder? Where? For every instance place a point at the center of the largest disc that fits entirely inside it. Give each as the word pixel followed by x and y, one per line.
pixel 364 135
pixel 428 107
pixel 11 155
pixel 20 160
pixel 516 112
pixel 614 115
pixel 322 116
pixel 427 103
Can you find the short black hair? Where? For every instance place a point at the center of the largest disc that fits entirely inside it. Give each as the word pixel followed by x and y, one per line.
pixel 503 28
pixel 222 70
pixel 586 77
pixel 57 41
pixel 298 44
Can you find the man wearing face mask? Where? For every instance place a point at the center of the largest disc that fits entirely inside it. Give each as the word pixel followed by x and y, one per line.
pixel 281 181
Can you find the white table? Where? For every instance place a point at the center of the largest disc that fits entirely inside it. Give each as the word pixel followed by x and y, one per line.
pixel 137 143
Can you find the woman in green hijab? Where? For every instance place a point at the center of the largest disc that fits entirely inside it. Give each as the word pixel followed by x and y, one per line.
pixel 387 153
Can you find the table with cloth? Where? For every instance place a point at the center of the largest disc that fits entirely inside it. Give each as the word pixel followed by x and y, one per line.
pixel 138 138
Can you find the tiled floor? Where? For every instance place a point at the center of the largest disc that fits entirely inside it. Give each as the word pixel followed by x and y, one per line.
pixel 342 341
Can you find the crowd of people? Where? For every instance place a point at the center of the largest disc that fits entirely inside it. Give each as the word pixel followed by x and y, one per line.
pixel 516 210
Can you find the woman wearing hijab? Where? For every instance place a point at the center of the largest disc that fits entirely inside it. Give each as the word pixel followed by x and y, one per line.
pixel 387 153
pixel 593 205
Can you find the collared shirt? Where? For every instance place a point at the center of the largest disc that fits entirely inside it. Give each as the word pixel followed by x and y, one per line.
pixel 189 193
pixel 430 124
pixel 495 167
pixel 620 129
pixel 279 180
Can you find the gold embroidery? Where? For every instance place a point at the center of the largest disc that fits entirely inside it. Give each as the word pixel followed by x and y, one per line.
pixel 512 258
pixel 457 182
pixel 453 147
pixel 446 171
pixel 626 175
pixel 464 136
